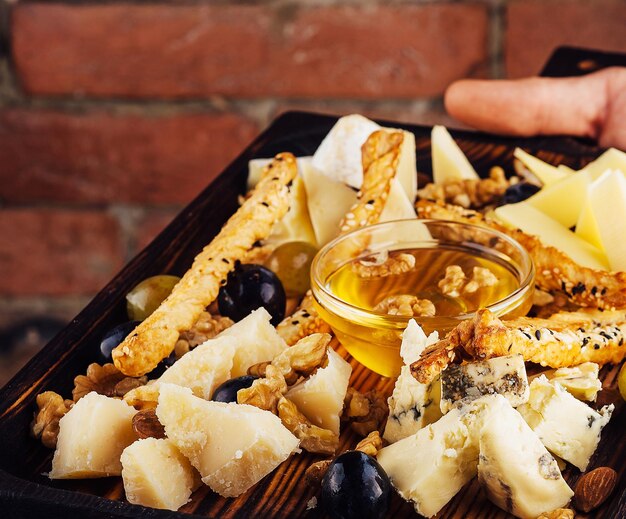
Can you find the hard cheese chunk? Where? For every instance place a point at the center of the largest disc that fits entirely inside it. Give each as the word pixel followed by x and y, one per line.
pixel 233 446
pixel 516 470
pixel 566 426
pixel 412 405
pixel 320 397
pixel 545 172
pixel 505 376
pixel 449 162
pixel 296 224
pixel 564 200
pixel 156 474
pixel 532 221
pixel 607 203
pixel 92 436
pixel 254 340
pixel 580 381
pixel 203 368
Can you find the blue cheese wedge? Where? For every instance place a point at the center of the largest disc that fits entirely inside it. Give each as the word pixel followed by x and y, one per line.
pixel 580 381
pixel 566 426
pixel 501 375
pixel 517 472
pixel 412 405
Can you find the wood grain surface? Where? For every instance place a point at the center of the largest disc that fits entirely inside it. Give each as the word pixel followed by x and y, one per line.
pixel 25 491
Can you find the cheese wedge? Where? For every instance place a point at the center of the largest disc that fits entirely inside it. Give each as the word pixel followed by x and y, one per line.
pixel 610 159
pixel 546 173
pixel 563 200
pixel 517 472
pixel 567 427
pixel 156 474
pixel 296 224
pixel 607 203
pixel 532 221
pixel 587 225
pixel 320 397
pixel 580 381
pixel 449 162
pixel 233 446
pixel 254 340
pixel 92 436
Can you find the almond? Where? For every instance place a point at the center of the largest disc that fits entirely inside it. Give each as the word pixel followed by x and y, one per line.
pixel 593 488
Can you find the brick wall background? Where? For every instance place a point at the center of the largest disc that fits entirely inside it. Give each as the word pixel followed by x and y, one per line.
pixel 114 114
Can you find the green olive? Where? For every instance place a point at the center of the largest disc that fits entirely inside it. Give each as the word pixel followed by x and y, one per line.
pixel 146 297
pixel 291 262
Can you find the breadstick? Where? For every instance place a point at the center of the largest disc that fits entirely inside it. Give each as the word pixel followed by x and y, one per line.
pixel 155 338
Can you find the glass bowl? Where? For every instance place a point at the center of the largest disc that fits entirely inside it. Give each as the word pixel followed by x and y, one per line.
pixel 374 337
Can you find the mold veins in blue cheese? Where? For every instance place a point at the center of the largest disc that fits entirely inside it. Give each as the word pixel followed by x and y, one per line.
pixel 567 427
pixel 501 375
pixel 233 446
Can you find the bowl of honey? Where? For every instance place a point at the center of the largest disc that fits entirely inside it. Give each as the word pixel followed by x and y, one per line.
pixel 368 283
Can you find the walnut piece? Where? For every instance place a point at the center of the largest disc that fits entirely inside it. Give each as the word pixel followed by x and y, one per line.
pixel 106 380
pixel 406 305
pixel 312 438
pixel 265 393
pixel 206 327
pixel 45 424
pixel 455 281
pixel 371 444
pixel 474 193
pixel 559 513
pixel 147 425
pixel 314 474
pixel 481 278
pixel 367 412
pixel 382 264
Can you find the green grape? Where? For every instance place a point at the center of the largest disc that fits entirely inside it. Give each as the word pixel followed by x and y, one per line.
pixel 146 297
pixel 621 381
pixel 291 262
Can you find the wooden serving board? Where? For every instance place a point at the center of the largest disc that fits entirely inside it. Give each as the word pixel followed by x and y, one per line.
pixel 25 491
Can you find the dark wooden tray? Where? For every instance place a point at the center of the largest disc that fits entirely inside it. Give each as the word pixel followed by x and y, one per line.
pixel 26 492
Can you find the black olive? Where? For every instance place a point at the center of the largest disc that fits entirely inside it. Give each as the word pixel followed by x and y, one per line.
pixel 355 487
pixel 114 337
pixel 249 287
pixel 518 192
pixel 227 392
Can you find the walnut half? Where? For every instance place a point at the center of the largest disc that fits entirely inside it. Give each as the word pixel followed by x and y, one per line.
pixel 45 424
pixel 106 380
pixel 312 438
pixel 265 393
pixel 367 412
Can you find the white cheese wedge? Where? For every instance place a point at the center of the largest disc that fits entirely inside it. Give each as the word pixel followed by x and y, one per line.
pixel 254 340
pixel 320 397
pixel 449 162
pixel 517 472
pixel 233 446
pixel 563 200
pixel 607 203
pixel 504 376
pixel 611 159
pixel 580 381
pixel 203 368
pixel 412 405
pixel 92 436
pixel 587 226
pixel 296 224
pixel 566 426
pixel 532 221
pixel 156 474
pixel 546 173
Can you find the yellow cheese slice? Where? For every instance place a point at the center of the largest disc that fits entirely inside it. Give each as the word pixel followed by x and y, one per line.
pixel 532 221
pixel 563 200
pixel 449 162
pixel 610 159
pixel 565 169
pixel 607 201
pixel 587 226
pixel 545 172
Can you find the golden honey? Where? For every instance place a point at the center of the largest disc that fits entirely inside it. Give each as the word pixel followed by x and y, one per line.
pixel 347 300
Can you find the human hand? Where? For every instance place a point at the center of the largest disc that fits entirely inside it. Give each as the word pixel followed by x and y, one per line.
pixel 591 106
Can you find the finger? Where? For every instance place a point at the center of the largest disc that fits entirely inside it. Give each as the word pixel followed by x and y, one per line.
pixel 533 106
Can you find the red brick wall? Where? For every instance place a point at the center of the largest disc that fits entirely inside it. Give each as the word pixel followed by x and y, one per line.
pixel 113 115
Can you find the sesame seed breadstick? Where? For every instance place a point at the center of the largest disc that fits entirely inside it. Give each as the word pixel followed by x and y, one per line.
pixel 556 271
pixel 566 339
pixel 380 156
pixel 155 338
